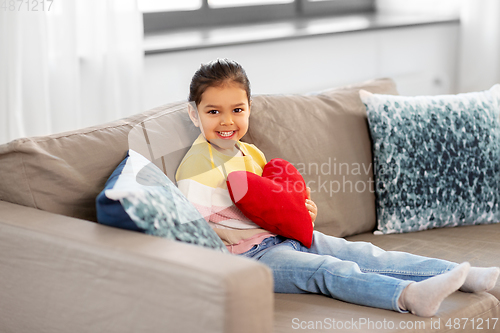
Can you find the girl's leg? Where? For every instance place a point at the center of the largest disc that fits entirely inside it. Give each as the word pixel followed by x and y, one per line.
pixel 295 271
pixel 481 279
pixel 372 259
pixel 400 264
pixel 424 298
pixel 301 272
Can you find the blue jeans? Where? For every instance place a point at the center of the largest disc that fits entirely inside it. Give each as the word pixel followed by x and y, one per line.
pixel 355 272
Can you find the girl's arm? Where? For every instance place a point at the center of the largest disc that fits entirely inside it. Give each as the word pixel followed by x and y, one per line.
pixel 311 206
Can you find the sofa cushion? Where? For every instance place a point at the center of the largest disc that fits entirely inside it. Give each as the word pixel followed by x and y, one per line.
pixel 325 136
pixel 436 159
pixel 321 314
pixel 275 201
pixel 138 196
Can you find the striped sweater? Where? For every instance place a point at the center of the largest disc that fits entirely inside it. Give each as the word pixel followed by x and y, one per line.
pixel 201 177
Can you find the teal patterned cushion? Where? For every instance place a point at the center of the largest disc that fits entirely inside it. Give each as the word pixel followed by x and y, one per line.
pixel 436 159
pixel 138 196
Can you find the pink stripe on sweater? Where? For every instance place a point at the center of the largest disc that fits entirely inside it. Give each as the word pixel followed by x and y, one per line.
pixel 228 213
pixel 246 244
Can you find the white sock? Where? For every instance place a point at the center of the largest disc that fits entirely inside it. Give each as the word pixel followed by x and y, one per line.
pixel 424 298
pixel 480 279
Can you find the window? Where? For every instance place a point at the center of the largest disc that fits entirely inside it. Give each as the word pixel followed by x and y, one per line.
pixel 317 7
pixel 149 6
pixel 160 15
pixel 241 3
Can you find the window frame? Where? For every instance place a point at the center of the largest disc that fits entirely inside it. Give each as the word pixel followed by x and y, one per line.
pixel 212 17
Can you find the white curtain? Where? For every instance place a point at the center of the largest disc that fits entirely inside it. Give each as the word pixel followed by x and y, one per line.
pixel 480 45
pixel 76 65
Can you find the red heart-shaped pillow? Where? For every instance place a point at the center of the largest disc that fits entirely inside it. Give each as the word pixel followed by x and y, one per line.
pixel 275 201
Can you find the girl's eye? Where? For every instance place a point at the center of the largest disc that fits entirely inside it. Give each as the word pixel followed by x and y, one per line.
pixel 238 110
pixel 213 111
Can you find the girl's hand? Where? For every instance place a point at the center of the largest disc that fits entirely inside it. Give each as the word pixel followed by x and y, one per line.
pixel 311 206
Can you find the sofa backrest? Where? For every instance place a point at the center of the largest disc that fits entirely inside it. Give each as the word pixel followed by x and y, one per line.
pixel 63 173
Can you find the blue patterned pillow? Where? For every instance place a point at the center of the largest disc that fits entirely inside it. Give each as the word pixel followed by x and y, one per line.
pixel 139 196
pixel 436 159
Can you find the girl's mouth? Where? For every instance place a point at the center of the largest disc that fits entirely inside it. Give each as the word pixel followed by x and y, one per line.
pixel 226 134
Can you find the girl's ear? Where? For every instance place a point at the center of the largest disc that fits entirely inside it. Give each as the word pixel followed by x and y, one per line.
pixel 193 114
pixel 249 106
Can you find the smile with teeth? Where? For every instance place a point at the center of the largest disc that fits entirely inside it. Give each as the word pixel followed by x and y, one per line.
pixel 226 133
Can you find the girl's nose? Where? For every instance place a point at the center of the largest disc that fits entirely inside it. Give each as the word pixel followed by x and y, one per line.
pixel 226 120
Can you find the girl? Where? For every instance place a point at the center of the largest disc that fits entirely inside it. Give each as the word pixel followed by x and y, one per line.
pixel 356 272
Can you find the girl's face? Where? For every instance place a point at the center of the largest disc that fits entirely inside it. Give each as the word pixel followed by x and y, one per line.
pixel 223 115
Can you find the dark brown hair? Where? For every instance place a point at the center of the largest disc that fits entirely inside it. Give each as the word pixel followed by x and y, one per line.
pixel 217 73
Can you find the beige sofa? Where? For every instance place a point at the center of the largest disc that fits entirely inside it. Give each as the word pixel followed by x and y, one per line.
pixel 62 272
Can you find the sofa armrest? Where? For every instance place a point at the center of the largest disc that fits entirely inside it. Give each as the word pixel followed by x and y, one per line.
pixel 61 274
